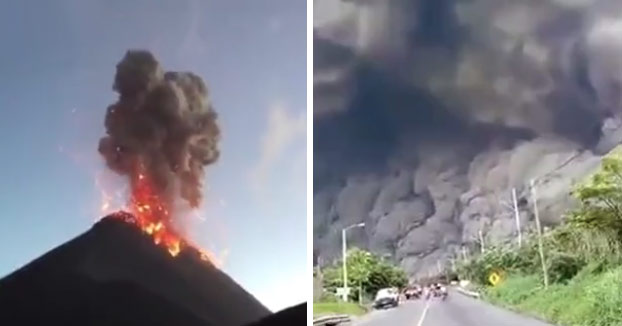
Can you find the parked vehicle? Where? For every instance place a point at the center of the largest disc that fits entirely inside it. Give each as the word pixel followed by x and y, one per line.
pixel 388 297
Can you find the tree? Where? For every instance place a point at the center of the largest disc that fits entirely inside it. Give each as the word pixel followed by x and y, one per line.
pixel 364 269
pixel 385 275
pixel 360 264
pixel 600 197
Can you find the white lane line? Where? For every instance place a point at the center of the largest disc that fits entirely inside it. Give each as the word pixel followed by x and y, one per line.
pixel 425 311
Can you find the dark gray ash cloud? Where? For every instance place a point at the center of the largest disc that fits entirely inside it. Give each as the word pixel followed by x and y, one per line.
pixel 162 125
pixel 465 99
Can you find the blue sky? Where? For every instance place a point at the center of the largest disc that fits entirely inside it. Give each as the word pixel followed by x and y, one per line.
pixel 56 69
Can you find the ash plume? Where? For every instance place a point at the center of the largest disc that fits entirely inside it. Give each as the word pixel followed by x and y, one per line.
pixel 424 110
pixel 162 127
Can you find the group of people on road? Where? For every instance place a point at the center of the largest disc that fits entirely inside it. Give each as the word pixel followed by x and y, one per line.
pixel 435 290
pixel 427 291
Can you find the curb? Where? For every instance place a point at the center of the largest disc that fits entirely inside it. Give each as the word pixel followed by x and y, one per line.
pixel 468 293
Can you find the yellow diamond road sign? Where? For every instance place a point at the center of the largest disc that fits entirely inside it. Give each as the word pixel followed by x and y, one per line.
pixel 494 278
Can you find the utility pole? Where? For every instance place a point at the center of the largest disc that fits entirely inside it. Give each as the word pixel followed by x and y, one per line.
pixel 538 226
pixel 517 215
pixel 481 241
pixel 320 277
pixel 345 267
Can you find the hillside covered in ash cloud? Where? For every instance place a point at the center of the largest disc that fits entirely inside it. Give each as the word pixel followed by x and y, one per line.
pixel 428 112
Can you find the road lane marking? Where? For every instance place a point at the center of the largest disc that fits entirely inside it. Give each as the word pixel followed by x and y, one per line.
pixel 425 311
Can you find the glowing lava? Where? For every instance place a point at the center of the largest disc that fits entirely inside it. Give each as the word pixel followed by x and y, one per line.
pixel 151 214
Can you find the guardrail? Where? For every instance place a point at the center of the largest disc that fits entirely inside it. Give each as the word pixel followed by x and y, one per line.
pixel 331 320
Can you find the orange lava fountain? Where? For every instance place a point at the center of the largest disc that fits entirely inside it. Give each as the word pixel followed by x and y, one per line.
pixel 152 215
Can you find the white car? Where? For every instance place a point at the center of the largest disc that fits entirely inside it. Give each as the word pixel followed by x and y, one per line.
pixel 388 297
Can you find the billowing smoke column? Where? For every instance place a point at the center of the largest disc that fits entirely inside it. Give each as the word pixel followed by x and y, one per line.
pixel 428 113
pixel 161 133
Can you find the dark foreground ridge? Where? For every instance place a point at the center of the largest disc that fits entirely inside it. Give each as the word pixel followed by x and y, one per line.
pixel 114 275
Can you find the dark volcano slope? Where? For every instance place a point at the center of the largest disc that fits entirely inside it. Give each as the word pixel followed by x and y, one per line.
pixel 114 275
pixel 66 299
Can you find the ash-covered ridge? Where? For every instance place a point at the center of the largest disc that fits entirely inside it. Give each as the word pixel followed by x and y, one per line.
pixel 428 113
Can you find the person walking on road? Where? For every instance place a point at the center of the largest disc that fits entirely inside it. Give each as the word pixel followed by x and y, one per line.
pixel 444 292
pixel 427 292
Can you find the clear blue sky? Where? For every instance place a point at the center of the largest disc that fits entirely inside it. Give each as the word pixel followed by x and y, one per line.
pixel 56 68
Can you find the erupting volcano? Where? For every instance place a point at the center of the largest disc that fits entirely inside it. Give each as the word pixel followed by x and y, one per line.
pixel 160 134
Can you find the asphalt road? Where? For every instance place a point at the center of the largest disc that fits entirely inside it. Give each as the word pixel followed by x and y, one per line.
pixel 457 310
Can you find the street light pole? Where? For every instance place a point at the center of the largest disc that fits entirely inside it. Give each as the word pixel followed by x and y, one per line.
pixel 344 253
pixel 345 269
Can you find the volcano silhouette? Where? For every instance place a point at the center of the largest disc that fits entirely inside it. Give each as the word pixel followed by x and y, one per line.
pixel 114 275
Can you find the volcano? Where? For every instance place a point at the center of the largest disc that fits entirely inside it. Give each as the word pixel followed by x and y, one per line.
pixel 113 274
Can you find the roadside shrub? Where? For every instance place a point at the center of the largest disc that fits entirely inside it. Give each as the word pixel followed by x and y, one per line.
pixel 589 270
pixel 499 258
pixel 562 267
pixel 587 244
pixel 328 296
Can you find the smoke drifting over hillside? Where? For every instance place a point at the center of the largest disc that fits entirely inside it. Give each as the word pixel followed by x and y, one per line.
pixel 427 112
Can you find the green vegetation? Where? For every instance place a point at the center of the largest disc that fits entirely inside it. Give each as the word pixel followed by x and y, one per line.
pixel 583 259
pixel 367 273
pixel 592 299
pixel 337 308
